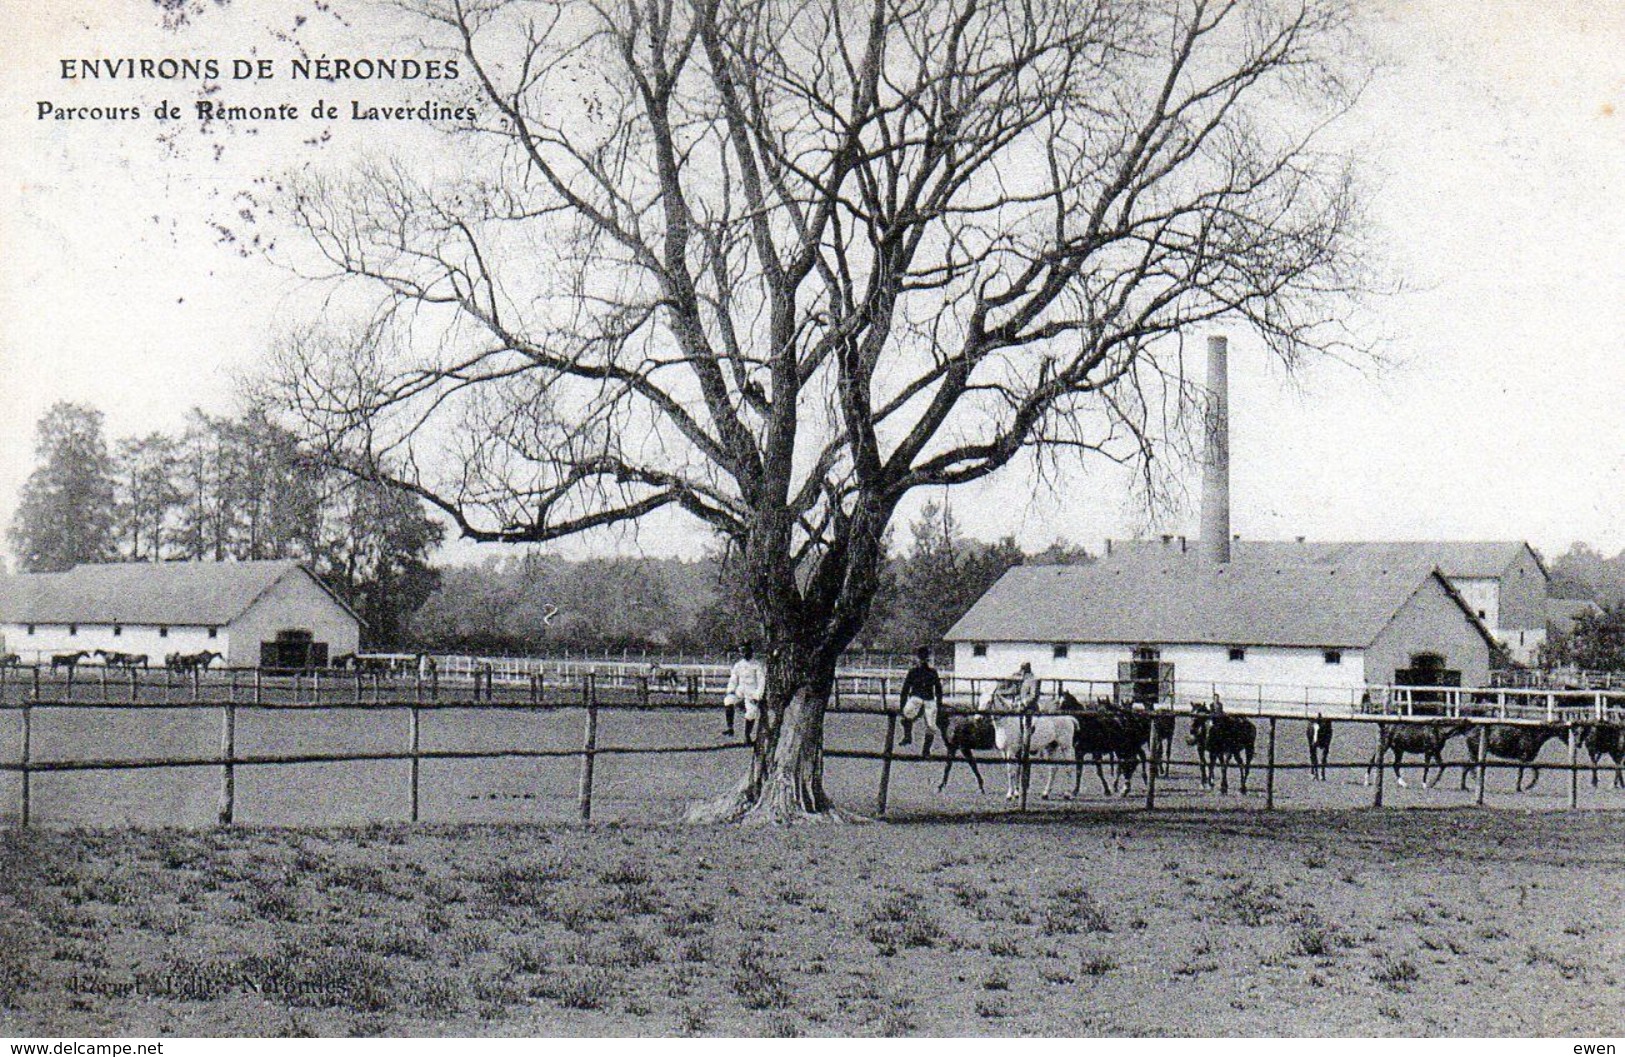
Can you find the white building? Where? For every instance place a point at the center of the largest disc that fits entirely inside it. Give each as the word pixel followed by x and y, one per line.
pixel 1251 629
pixel 1503 582
pixel 269 613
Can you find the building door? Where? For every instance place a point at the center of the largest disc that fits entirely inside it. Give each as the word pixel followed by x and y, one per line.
pixel 293 648
pixel 1427 670
pixel 1145 679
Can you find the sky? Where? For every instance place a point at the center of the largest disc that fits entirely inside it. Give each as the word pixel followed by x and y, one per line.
pixel 1492 144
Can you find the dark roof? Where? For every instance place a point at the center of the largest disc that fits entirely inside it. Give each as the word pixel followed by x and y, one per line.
pixel 1190 600
pixel 173 593
pixel 1459 559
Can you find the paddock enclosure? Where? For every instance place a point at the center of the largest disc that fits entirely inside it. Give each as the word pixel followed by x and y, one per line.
pixel 101 746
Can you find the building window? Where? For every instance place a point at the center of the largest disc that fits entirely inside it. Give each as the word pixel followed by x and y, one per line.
pixel 1333 656
pixel 1238 653
pixel 31 629
pixel 117 630
pixel 214 633
pixel 163 633
pixel 1480 614
pixel 1060 651
pixel 978 649
pixel 73 629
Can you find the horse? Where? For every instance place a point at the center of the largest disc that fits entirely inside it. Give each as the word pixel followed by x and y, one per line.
pixel 965 734
pixel 1510 742
pixel 1106 730
pixel 10 660
pixel 1163 725
pixel 1043 735
pixel 1318 732
pixel 1605 739
pixel 1426 739
pixel 1220 739
pixel 68 660
pixel 122 660
pixel 186 662
pixel 660 676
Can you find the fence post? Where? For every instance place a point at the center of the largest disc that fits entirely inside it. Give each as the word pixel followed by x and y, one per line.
pixel 1574 769
pixel 197 684
pixel 590 745
pixel 358 674
pixel 28 734
pixel 643 689
pixel 1269 771
pixel 1483 762
pixel 1156 762
pixel 1382 764
pixel 134 686
pixel 415 747
pixel 228 755
pixel 885 764
pixel 1026 766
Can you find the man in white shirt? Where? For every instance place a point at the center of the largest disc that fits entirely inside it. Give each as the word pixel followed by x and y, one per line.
pixel 747 685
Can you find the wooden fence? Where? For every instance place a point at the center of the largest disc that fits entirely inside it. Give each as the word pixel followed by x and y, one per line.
pixel 366 693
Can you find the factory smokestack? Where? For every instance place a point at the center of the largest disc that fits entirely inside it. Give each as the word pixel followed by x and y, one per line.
pixel 1215 541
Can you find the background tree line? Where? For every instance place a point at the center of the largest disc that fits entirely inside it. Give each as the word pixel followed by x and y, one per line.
pixel 226 488
pixel 239 488
pixel 535 602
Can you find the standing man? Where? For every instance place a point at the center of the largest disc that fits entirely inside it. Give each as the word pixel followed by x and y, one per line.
pixel 922 695
pixel 747 685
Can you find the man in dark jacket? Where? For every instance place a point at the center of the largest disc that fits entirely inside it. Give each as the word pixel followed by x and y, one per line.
pixel 922 695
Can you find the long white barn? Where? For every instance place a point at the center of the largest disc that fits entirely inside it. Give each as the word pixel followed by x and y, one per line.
pixel 266 613
pixel 1318 633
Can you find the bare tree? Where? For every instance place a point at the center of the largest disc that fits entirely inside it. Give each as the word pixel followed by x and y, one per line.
pixel 778 263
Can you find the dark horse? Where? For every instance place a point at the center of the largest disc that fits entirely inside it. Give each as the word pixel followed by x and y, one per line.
pixel 1510 742
pixel 1319 735
pixel 1425 739
pixel 68 660
pixel 1162 731
pixel 1221 739
pixel 1605 739
pixel 965 735
pixel 1106 730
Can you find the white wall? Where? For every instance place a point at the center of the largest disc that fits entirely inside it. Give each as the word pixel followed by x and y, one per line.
pixel 1482 596
pixel 1280 675
pixel 293 603
pixel 133 638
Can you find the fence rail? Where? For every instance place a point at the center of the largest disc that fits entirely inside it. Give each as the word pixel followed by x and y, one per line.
pixel 414 696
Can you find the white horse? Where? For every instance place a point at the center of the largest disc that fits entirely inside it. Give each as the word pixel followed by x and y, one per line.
pixel 1045 736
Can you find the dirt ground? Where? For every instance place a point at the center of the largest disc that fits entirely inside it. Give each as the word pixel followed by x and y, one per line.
pixel 1307 922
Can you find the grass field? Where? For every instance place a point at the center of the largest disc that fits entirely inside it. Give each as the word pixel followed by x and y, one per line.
pixel 1099 922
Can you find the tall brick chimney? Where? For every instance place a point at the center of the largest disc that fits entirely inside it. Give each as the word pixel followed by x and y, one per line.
pixel 1215 535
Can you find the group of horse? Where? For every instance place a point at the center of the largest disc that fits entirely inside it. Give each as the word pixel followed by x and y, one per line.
pixel 1127 739
pixel 175 662
pixel 1520 743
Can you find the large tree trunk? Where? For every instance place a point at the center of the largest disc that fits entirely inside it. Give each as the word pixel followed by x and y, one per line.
pixel 785 784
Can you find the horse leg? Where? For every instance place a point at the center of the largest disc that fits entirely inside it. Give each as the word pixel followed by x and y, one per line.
pixel 970 758
pixel 946 767
pixel 1049 782
pixel 1399 758
pixel 1100 772
pixel 1224 774
pixel 1534 769
pixel 1246 769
